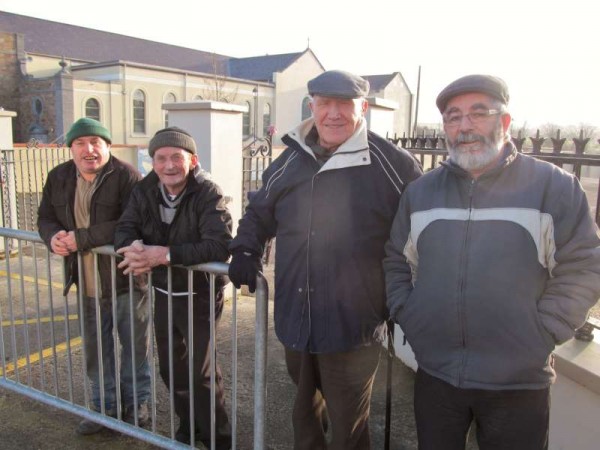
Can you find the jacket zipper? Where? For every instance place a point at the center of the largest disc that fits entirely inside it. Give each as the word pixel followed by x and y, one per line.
pixel 461 298
pixel 307 286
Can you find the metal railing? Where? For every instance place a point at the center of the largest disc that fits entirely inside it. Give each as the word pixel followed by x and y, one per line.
pixel 51 375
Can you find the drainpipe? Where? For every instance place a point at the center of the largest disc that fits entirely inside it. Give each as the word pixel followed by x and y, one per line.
pixel 124 93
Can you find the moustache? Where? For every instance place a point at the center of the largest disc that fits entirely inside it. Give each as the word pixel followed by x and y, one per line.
pixel 468 137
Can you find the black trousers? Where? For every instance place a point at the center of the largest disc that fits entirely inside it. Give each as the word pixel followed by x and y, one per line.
pixel 201 340
pixel 505 419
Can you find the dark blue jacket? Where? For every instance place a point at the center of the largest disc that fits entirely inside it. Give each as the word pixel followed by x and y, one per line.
pixel 331 224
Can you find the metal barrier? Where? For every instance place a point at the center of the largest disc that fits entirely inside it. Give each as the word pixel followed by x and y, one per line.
pixel 26 366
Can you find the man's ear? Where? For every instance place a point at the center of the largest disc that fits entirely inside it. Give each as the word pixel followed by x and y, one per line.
pixel 365 106
pixel 506 119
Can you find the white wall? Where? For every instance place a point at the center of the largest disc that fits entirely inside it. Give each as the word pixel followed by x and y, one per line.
pixel 6 143
pixel 290 88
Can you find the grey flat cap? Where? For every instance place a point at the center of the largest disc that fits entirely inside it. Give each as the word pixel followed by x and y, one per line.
pixel 340 84
pixel 486 84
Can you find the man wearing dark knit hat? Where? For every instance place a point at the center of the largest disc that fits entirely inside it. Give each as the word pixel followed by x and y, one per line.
pixel 329 199
pixel 508 262
pixel 82 201
pixel 177 216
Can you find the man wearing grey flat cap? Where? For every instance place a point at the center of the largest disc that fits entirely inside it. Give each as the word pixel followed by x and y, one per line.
pixel 177 216
pixel 329 199
pixel 508 261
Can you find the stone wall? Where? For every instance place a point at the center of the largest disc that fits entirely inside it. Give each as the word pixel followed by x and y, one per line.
pixel 9 75
pixel 31 89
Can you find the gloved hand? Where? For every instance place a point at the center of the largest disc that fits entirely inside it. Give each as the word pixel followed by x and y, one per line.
pixel 244 268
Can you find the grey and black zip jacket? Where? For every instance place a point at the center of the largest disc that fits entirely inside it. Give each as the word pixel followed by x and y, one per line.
pixel 486 276
pixel 331 225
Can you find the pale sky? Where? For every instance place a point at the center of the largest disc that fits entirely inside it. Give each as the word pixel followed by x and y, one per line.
pixel 546 51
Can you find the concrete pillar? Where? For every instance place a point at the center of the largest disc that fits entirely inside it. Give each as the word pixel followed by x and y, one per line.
pixel 8 200
pixel 217 129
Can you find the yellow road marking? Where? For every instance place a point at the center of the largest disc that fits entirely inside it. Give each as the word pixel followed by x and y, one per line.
pixel 35 357
pixel 41 281
pixel 6 323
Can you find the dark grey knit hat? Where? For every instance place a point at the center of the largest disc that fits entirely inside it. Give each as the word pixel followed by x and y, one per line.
pixel 172 137
pixel 340 84
pixel 486 84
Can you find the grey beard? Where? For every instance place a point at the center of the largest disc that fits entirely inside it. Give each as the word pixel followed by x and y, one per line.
pixel 470 161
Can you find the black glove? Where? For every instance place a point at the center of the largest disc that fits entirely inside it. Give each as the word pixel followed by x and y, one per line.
pixel 244 268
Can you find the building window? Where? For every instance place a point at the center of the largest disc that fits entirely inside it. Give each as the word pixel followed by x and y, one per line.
pixel 305 108
pixel 246 121
pixel 266 119
pixel 197 98
pixel 139 112
pixel 169 98
pixel 38 106
pixel 92 109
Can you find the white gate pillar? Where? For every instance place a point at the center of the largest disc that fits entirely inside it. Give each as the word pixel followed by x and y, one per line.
pixel 8 194
pixel 217 129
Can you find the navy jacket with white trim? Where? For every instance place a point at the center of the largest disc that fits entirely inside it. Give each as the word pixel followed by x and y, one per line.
pixel 331 225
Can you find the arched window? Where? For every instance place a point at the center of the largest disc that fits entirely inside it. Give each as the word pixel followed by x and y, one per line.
pixel 92 109
pixel 197 98
pixel 246 121
pixel 38 106
pixel 139 112
pixel 305 108
pixel 169 98
pixel 266 118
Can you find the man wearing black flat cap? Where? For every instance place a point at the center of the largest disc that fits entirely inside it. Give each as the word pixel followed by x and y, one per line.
pixel 329 199
pixel 493 260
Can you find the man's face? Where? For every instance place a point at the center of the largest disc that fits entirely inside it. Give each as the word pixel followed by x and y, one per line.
pixel 90 154
pixel 336 119
pixel 475 142
pixel 172 165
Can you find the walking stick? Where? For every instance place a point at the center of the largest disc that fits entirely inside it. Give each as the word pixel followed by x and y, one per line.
pixel 388 384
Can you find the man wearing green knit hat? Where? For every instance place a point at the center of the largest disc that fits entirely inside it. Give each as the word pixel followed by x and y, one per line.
pixel 82 200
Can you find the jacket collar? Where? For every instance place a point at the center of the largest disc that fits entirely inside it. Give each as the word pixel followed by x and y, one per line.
pixel 353 152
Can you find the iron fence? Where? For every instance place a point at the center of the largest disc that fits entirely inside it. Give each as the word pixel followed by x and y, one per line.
pixel 24 170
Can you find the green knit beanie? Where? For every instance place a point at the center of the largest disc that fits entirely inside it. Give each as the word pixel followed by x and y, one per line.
pixel 172 137
pixel 87 127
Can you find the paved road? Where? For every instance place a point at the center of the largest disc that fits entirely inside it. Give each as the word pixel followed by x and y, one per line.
pixel 25 424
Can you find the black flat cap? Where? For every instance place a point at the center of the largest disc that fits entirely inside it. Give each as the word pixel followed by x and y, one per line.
pixel 486 84
pixel 340 84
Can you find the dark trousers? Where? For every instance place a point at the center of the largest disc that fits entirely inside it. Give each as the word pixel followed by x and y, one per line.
pixel 505 419
pixel 334 385
pixel 201 340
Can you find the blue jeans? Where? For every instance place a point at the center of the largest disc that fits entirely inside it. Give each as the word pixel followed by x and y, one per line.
pixel 139 348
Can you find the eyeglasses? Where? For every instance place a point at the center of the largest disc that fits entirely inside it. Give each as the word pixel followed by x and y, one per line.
pixel 454 119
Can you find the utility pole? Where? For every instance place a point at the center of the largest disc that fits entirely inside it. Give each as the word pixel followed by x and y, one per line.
pixel 414 133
